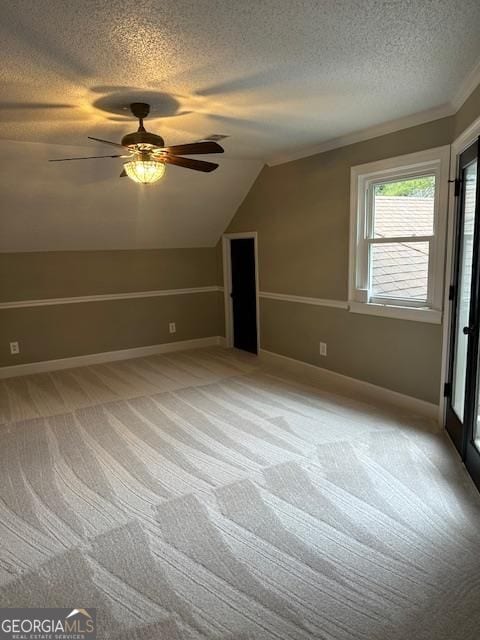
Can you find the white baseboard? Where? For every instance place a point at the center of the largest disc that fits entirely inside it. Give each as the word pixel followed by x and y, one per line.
pixel 319 375
pixel 108 356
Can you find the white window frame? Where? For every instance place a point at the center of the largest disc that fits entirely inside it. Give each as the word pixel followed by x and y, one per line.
pixel 434 162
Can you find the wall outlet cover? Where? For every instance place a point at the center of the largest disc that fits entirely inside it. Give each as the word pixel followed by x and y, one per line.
pixel 172 327
pixel 14 348
pixel 323 348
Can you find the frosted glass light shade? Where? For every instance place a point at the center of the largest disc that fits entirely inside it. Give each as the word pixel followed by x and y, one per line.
pixel 144 171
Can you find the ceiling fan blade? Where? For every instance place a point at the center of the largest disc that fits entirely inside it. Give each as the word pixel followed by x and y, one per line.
pixel 115 144
pixel 84 158
pixel 190 163
pixel 194 148
pixel 123 174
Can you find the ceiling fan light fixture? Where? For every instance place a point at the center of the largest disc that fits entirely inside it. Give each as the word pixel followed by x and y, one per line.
pixel 144 171
pixel 149 153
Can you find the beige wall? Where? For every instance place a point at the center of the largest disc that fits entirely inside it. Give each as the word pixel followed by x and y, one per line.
pixel 301 212
pixel 377 350
pixel 77 273
pixel 64 330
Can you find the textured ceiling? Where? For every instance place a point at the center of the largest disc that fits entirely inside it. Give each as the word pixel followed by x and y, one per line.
pixel 274 75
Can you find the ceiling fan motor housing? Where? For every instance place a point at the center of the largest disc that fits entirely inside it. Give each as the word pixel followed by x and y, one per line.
pixel 141 110
pixel 142 137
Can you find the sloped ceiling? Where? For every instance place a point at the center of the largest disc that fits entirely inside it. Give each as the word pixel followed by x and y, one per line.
pixel 275 76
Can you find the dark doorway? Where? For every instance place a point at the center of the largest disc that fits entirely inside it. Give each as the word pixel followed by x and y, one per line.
pixel 244 294
pixel 463 388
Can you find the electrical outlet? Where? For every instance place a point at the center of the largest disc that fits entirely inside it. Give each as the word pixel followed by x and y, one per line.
pixel 172 327
pixel 323 348
pixel 14 348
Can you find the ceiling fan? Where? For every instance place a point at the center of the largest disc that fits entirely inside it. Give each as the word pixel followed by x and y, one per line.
pixel 147 154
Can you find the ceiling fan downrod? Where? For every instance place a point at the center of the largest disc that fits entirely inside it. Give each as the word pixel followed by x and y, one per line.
pixel 140 110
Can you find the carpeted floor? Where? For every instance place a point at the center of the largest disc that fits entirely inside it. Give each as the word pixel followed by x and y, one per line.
pixel 195 495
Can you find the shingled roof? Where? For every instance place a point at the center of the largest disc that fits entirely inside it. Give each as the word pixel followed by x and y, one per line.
pixel 400 269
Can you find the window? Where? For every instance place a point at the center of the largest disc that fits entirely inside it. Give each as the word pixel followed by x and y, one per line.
pixel 398 220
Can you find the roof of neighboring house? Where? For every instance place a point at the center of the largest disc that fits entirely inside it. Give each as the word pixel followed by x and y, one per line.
pixel 403 216
pixel 400 269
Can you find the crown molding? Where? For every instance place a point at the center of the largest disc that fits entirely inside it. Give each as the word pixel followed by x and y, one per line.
pixel 375 131
pixel 467 87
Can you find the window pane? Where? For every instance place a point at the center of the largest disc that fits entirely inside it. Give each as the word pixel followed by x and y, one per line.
pixel 465 282
pixel 399 270
pixel 404 208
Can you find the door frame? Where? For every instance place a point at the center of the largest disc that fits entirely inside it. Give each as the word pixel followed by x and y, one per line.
pixel 456 425
pixel 227 283
pixel 459 145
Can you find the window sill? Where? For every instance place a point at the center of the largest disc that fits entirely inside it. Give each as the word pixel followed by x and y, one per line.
pixel 415 314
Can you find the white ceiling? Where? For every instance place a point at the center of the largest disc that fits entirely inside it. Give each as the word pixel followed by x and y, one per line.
pixel 276 76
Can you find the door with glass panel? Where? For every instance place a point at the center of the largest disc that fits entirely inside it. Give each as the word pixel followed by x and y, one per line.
pixel 463 389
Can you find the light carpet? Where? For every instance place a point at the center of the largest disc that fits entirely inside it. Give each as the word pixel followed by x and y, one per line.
pixel 196 495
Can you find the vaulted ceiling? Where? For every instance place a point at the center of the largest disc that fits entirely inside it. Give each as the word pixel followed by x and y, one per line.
pixel 276 76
